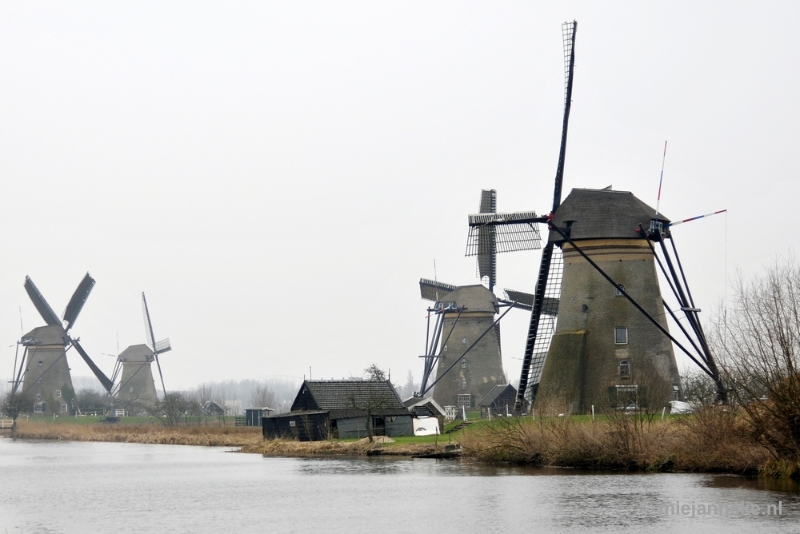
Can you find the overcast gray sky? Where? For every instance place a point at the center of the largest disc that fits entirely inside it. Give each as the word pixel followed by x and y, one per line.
pixel 276 177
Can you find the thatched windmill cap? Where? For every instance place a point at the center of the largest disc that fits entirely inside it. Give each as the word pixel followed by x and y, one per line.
pixel 603 214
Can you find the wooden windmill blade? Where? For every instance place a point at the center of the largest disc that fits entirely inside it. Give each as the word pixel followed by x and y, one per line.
pixel 487 249
pixel 535 339
pixel 77 301
pixel 41 304
pixel 433 290
pixel 151 340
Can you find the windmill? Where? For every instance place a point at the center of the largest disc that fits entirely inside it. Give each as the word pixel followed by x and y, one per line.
pixel 136 385
pixel 43 371
pixel 611 345
pixel 466 337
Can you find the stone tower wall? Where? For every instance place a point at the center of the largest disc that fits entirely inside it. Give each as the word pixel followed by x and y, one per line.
pixel 484 364
pixel 583 363
pixel 47 380
pixel 137 389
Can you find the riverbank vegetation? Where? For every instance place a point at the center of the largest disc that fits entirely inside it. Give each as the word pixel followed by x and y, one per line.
pixel 153 433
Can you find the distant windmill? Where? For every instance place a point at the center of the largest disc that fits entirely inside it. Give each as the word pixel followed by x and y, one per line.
pixel 136 385
pixel 43 371
pixel 464 345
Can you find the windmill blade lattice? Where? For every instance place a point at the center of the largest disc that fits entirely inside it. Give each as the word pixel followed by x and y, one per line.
pixel 511 232
pixel 433 290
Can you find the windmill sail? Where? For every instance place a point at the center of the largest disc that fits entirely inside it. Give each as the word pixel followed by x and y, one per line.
pixel 107 383
pixel 432 290
pixel 77 301
pixel 151 340
pixel 487 250
pixel 41 304
pixel 529 367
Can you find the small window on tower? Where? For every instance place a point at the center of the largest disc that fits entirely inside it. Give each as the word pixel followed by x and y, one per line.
pixel 464 363
pixel 620 335
pixel 40 363
pixel 618 290
pixel 463 341
pixel 463 385
pixel 38 396
pixel 39 381
pixel 131 389
pixel 444 349
pixel 64 407
pixel 676 392
pixel 624 369
pixel 58 393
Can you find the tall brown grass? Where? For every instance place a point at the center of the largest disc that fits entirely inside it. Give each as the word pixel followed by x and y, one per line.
pixel 711 441
pixel 157 434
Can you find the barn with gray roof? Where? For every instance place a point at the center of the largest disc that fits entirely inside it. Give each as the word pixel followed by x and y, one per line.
pixel 325 409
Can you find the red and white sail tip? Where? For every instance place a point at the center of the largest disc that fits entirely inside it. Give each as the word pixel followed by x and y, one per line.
pixel 675 223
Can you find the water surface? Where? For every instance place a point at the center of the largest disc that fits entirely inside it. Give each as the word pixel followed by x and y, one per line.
pixel 51 486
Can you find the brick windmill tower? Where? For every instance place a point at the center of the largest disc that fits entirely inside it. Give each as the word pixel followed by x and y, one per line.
pixel 605 352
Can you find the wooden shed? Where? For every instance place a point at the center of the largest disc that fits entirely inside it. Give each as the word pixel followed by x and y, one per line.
pixel 326 409
pixel 499 401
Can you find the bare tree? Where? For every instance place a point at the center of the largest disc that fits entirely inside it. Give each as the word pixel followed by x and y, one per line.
pixel 262 396
pixel 698 388
pixel 174 407
pixel 375 373
pixel 759 341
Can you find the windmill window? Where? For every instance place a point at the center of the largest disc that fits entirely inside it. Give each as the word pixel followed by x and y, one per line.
pixel 131 389
pixel 463 341
pixel 58 393
pixel 676 392
pixel 618 290
pixel 463 385
pixel 38 396
pixel 620 335
pixel 64 407
pixel 464 400
pixel 464 363
pixel 38 407
pixel 40 363
pixel 39 381
pixel 445 349
pixel 624 369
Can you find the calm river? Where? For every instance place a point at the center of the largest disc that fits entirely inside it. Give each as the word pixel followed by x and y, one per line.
pixel 115 487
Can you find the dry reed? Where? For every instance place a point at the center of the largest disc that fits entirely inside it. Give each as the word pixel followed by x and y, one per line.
pixel 709 441
pixel 212 436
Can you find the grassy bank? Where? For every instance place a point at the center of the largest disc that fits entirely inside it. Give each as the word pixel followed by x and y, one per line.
pixel 224 436
pixel 710 441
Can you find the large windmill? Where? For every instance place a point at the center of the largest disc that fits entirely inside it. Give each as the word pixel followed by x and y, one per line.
pixel 136 386
pixel 464 345
pixel 43 371
pixel 611 346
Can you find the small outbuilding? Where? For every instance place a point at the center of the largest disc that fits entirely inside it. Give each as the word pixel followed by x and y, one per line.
pixel 499 401
pixel 428 415
pixel 253 416
pixel 325 409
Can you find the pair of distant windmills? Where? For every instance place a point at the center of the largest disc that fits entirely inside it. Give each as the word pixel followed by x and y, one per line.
pixel 43 371
pixel 598 334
